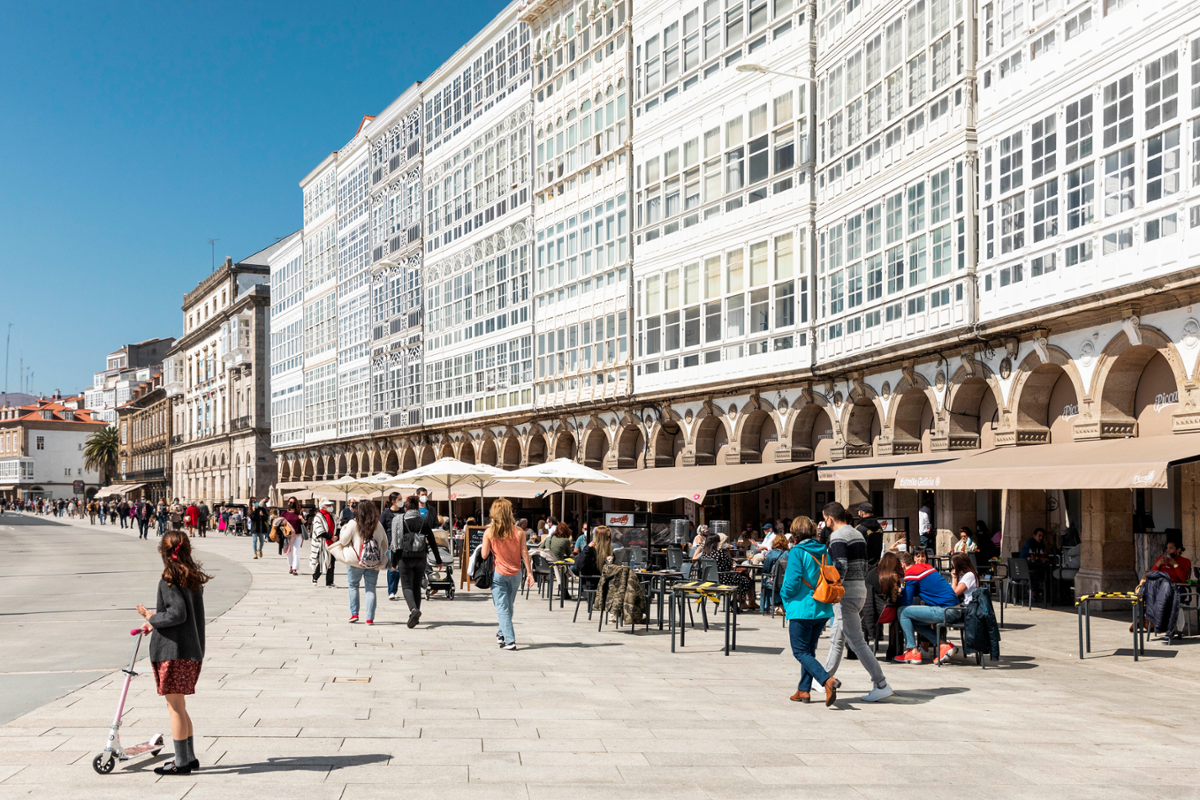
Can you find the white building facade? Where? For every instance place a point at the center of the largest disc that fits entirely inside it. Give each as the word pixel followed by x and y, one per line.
pixel 768 235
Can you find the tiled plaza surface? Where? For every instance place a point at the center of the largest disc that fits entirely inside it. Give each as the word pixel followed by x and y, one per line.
pixel 295 702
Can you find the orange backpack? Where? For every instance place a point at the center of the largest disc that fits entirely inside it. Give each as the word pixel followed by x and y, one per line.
pixel 829 587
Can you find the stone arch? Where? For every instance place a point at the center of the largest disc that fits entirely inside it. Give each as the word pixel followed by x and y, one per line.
pixel 565 445
pixel 861 426
pixel 595 446
pixel 447 450
pixel 669 441
pixel 489 453
pixel 535 448
pixel 710 439
pixel 408 459
pixel 630 445
pixel 1045 399
pixel 755 430
pixel 466 452
pixel 340 466
pixel 391 462
pixel 428 455
pixel 1137 386
pixel 972 412
pixel 510 452
pixel 352 465
pixel 285 470
pixel 912 419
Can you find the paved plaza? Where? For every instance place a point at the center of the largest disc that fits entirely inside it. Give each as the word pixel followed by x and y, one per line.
pixel 295 702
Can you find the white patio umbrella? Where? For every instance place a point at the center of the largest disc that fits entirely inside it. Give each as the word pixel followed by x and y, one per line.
pixel 383 481
pixel 563 472
pixel 446 473
pixel 346 485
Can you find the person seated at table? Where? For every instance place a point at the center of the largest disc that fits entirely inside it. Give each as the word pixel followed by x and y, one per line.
pixel 889 584
pixel 560 542
pixel 698 541
pixel 922 581
pixel 580 542
pixel 778 554
pixel 965 543
pixel 595 555
pixel 729 575
pixel 1035 547
pixel 750 544
pixel 768 538
pixel 1172 562
pixel 964 579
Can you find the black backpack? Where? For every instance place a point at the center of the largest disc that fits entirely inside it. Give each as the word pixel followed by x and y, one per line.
pixel 412 543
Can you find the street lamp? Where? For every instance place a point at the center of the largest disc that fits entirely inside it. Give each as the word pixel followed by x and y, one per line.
pixel 759 69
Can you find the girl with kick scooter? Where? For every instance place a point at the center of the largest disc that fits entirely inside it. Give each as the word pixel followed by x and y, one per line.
pixel 177 642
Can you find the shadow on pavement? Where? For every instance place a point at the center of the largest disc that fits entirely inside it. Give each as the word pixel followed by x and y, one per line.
pixel 281 764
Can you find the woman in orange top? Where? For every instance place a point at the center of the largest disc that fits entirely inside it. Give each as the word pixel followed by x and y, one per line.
pixel 504 540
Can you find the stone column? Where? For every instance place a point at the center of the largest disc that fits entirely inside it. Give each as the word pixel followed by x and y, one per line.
pixel 955 508
pixel 1189 508
pixel 1106 530
pixel 1023 510
pixel 851 493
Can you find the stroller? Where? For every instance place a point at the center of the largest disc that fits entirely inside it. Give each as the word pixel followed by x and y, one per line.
pixel 439 578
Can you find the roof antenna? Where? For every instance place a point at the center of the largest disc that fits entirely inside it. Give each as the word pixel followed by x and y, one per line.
pixel 212 243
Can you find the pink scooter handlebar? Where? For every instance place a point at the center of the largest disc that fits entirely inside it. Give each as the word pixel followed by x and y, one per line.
pixel 136 631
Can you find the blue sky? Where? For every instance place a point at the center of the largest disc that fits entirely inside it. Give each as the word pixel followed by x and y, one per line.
pixel 134 132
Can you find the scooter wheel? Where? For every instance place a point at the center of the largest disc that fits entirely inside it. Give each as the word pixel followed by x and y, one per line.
pixel 104 763
pixel 156 752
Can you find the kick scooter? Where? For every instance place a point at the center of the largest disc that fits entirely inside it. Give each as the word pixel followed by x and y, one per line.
pixel 113 751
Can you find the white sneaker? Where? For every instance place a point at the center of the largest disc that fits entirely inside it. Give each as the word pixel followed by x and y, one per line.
pixel 391 597
pixel 878 693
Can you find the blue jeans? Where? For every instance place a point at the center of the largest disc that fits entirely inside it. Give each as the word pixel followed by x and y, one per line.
pixel 368 577
pixel 256 539
pixel 393 577
pixel 162 527
pixel 504 592
pixel 920 619
pixel 805 633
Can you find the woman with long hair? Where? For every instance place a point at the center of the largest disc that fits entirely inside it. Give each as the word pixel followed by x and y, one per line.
pixel 176 631
pixel 361 547
pixel 503 539
pixel 964 578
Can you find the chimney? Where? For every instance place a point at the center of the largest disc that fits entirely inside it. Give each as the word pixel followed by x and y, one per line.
pixel 229 261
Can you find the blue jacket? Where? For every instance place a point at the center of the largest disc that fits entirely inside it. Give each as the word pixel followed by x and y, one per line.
pixel 923 581
pixel 804 565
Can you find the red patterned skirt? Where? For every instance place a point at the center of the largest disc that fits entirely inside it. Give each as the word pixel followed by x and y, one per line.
pixel 177 676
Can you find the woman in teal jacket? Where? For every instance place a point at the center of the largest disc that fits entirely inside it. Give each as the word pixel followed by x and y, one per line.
pixel 806 617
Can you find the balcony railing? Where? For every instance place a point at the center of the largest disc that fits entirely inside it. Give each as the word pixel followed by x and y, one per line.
pixel 240 424
pixel 177 439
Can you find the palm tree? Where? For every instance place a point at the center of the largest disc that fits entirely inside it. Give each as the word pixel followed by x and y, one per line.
pixel 100 452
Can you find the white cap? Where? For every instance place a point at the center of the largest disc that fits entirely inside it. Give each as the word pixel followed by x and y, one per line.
pixel 326 502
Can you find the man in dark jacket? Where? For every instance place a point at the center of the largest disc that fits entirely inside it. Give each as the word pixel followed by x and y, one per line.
pixel 411 536
pixel 869 527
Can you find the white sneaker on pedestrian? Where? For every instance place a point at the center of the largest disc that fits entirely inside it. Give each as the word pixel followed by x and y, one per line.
pixel 391 597
pixel 509 646
pixel 878 693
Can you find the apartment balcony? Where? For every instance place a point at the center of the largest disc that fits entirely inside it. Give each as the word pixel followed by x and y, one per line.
pixel 241 423
pixel 178 439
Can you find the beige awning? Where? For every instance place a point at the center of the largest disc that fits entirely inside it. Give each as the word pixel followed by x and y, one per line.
pixel 7 488
pixel 129 487
pixel 285 485
pixel 884 468
pixel 1105 464
pixel 107 491
pixel 663 484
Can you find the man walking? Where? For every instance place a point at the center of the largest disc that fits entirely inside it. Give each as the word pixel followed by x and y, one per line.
pixel 202 518
pixel 848 551
pixel 143 519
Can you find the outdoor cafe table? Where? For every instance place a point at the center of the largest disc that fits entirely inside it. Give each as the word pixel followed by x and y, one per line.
pixel 1083 613
pixel 564 564
pixel 663 577
pixel 705 589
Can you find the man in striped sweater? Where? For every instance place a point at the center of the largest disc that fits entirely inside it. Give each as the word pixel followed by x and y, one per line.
pixel 848 552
